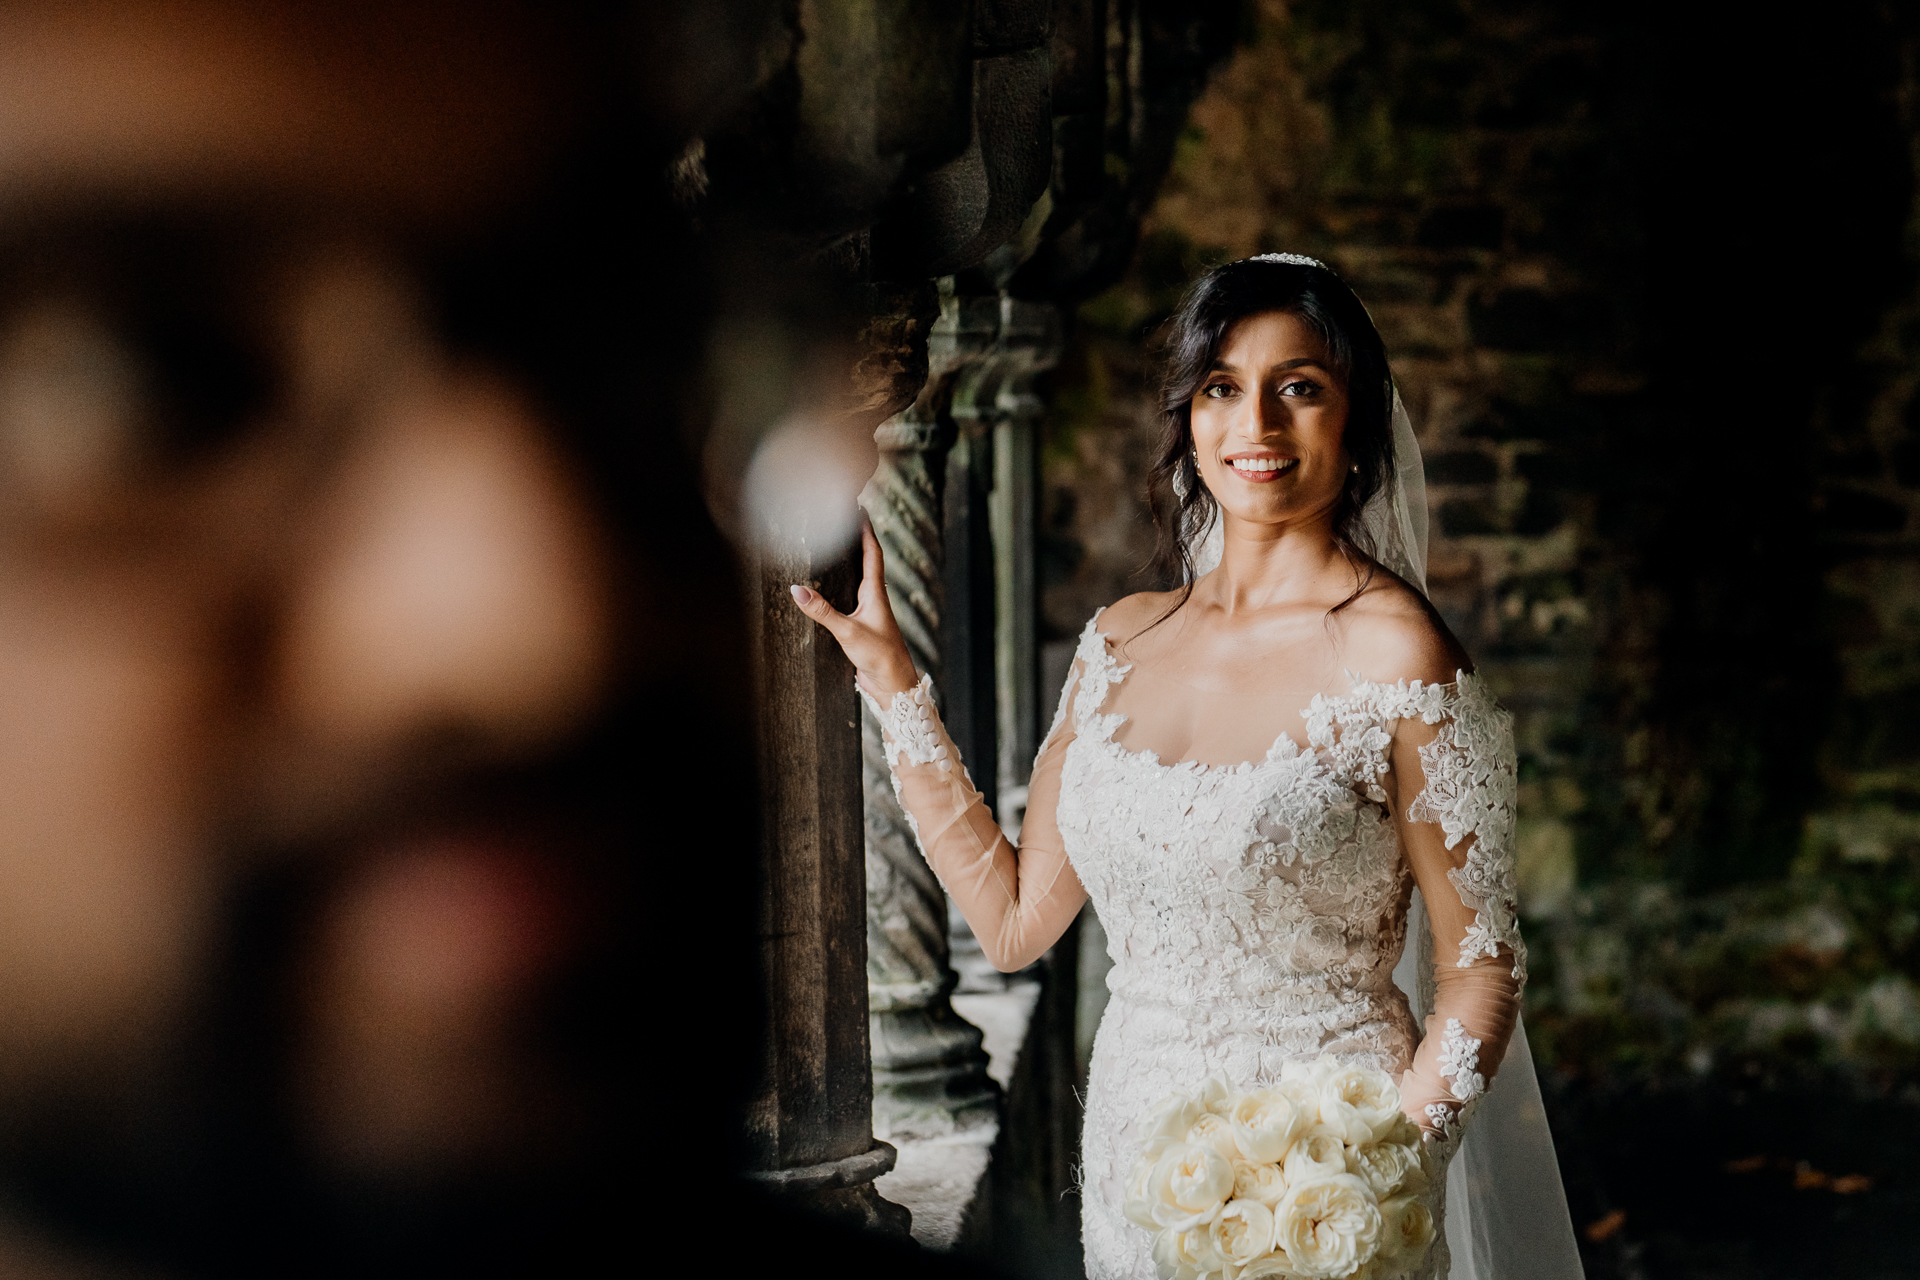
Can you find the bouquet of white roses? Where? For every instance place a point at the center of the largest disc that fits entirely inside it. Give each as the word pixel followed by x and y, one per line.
pixel 1319 1178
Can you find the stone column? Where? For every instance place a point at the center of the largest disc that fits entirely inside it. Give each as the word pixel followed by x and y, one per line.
pixel 810 1125
pixel 1030 343
pixel 929 1069
pixel 996 411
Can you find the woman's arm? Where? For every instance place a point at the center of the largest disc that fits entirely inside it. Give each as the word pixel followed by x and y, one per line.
pixel 1018 901
pixel 1451 787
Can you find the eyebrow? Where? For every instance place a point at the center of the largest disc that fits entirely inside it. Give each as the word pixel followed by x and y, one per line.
pixel 1221 366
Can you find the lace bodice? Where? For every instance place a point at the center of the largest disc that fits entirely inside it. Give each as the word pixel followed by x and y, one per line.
pixel 1271 884
pixel 1254 912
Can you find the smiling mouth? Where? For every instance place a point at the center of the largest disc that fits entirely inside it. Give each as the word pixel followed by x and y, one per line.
pixel 1262 469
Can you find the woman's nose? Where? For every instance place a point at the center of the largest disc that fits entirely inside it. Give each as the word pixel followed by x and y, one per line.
pixel 1266 414
pixel 453 580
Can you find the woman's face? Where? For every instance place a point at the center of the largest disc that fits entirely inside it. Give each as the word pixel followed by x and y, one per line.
pixel 1269 421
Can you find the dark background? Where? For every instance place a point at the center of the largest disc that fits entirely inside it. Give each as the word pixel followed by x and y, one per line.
pixel 1647 275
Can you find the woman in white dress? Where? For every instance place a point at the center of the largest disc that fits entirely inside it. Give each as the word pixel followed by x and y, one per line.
pixel 1250 776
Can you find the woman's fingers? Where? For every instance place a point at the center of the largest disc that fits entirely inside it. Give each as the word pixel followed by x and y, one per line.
pixel 815 606
pixel 873 562
pixel 873 575
pixel 869 637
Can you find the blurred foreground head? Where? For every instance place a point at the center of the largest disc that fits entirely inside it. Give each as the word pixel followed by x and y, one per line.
pixel 334 748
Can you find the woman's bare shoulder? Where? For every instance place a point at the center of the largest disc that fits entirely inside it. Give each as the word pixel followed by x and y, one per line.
pixel 1392 633
pixel 1130 615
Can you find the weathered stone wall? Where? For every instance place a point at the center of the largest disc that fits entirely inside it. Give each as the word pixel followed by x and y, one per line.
pixel 1651 302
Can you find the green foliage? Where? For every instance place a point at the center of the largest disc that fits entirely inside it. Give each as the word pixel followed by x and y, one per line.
pixel 1818 972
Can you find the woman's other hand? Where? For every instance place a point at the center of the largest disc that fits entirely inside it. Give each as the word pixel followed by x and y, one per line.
pixel 869 636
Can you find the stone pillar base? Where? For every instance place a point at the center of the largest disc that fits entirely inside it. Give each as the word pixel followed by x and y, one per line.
pixel 929 1073
pixel 843 1190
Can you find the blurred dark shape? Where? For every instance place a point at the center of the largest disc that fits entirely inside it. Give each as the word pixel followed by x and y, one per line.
pixel 370 668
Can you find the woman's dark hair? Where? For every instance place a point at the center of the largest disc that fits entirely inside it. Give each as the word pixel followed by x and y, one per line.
pixel 1181 504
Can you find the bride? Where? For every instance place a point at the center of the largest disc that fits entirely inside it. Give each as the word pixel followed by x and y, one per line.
pixel 1252 775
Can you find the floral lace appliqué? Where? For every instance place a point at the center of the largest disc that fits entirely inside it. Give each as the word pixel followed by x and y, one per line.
pixel 911 735
pixel 909 724
pixel 1472 792
pixel 1459 1056
pixel 1471 788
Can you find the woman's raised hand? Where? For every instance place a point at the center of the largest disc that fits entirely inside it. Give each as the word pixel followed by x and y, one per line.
pixel 869 636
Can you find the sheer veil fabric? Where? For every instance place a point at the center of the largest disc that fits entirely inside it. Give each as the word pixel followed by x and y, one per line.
pixel 1507 1213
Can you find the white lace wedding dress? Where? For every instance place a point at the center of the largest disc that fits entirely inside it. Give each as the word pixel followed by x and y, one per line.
pixel 1254 911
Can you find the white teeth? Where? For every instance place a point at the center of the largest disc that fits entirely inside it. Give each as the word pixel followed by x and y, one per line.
pixel 1262 464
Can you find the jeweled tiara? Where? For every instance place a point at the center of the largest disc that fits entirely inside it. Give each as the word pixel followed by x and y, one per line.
pixel 1291 259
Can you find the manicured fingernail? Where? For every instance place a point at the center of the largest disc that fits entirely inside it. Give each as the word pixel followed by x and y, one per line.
pixel 800 594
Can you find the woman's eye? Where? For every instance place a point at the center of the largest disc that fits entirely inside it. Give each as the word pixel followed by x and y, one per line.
pixel 1218 391
pixel 1299 387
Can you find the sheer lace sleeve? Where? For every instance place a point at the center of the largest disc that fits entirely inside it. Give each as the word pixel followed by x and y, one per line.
pixel 1453 784
pixel 1019 901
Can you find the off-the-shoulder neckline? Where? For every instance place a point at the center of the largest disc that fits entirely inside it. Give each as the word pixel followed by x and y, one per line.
pixel 1359 684
pixel 1451 692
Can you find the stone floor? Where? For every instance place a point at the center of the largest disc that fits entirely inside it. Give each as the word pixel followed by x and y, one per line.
pixel 937 1179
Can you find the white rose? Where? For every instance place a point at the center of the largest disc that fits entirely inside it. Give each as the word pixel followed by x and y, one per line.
pixel 1216 1132
pixel 1305 1097
pixel 1330 1228
pixel 1242 1232
pixel 1188 1186
pixel 1169 1123
pixel 1265 1122
pixel 1307 1072
pixel 1214 1096
pixel 1360 1102
pixel 1300 1081
pixel 1383 1166
pixel 1416 1178
pixel 1184 1255
pixel 1404 1131
pixel 1138 1206
pixel 1258 1180
pixel 1272 1265
pixel 1319 1152
pixel 1406 1227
